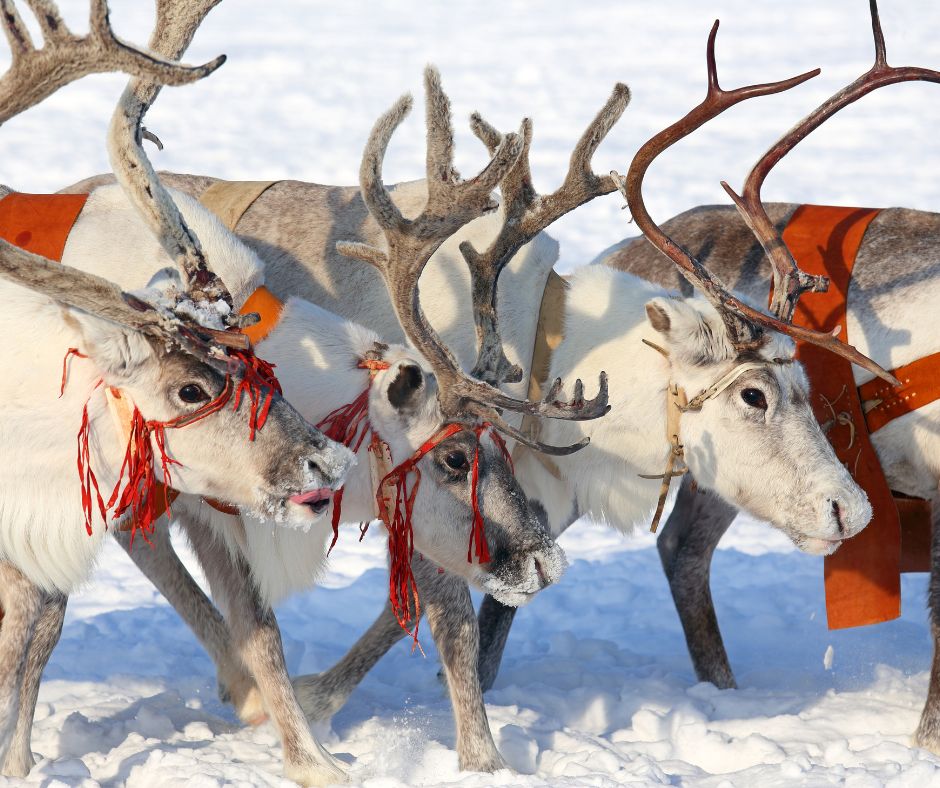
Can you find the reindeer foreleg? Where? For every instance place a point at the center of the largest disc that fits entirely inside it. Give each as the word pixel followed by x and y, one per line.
pixel 256 640
pixel 686 545
pixel 22 604
pixel 19 761
pixel 164 569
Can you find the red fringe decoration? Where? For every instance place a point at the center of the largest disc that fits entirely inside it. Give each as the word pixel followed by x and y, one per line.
pixel 341 426
pixel 259 383
pixel 477 535
pixel 85 474
pixel 401 580
pixel 139 494
pixel 72 351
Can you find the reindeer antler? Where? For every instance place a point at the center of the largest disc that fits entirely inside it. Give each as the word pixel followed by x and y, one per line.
pixel 35 74
pixel 789 281
pixel 525 214
pixel 744 324
pixel 176 25
pixel 451 204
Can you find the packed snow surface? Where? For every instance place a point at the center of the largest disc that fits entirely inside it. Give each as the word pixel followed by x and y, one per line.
pixel 596 688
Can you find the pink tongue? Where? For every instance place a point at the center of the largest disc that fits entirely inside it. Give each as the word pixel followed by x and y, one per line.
pixel 313 496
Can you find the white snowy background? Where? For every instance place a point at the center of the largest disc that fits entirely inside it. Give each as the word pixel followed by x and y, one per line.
pixel 596 688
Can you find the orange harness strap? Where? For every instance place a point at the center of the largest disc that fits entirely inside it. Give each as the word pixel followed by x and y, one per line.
pixel 920 385
pixel 40 223
pixel 862 578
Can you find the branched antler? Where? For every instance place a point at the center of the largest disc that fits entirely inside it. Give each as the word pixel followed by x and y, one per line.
pixel 105 299
pixel 789 281
pixel 35 74
pixel 525 214
pixel 176 25
pixel 744 323
pixel 451 204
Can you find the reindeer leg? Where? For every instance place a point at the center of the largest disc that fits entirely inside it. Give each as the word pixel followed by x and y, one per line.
pixel 256 640
pixel 164 569
pixel 446 600
pixel 686 545
pixel 928 731
pixel 22 604
pixel 19 761
pixel 494 622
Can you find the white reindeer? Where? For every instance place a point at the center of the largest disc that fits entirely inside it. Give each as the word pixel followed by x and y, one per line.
pixel 411 402
pixel 755 442
pixel 893 287
pixel 159 354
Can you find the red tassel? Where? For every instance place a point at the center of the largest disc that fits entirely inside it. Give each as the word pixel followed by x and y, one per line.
pixel 477 535
pixel 85 474
pixel 72 351
pixel 341 426
pixel 259 383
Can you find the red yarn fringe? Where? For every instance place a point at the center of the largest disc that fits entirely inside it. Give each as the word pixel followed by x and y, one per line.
pixel 85 474
pixel 140 491
pixel 341 426
pixel 259 383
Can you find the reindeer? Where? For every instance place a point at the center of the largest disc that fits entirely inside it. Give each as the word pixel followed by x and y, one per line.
pixel 894 273
pixel 425 409
pixel 159 363
pixel 749 441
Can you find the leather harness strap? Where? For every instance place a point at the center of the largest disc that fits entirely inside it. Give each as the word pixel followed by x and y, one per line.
pixel 230 199
pixel 920 385
pixel 548 335
pixel 863 584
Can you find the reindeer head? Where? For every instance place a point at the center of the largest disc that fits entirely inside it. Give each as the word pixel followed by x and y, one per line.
pixel 221 455
pixel 756 442
pixel 199 401
pixel 405 411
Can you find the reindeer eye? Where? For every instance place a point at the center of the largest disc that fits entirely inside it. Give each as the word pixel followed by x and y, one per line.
pixel 754 398
pixel 457 460
pixel 192 393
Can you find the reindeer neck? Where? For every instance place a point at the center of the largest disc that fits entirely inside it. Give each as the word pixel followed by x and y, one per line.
pixel 605 324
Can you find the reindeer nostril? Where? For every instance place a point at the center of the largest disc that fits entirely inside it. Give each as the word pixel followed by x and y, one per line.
pixel 836 512
pixel 543 580
pixel 314 469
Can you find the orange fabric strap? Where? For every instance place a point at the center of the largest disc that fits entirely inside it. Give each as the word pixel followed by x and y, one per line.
pixel 863 584
pixel 269 307
pixel 920 385
pixel 40 223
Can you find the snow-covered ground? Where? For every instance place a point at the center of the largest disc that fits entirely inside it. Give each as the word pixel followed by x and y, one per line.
pixel 596 687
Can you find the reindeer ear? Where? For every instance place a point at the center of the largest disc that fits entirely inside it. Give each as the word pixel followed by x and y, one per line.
pixel 116 349
pixel 694 335
pixel 658 316
pixel 404 392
